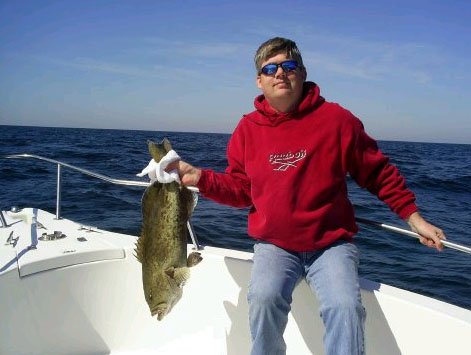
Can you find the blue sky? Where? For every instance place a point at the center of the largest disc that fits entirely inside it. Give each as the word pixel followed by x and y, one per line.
pixel 403 67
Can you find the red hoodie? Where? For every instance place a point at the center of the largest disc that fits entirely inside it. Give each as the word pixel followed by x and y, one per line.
pixel 291 168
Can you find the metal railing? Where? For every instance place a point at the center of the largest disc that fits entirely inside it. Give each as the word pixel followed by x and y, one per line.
pixel 94 175
pixel 2 220
pixel 194 239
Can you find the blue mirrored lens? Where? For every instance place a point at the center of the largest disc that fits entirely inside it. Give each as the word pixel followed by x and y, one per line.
pixel 287 66
pixel 270 69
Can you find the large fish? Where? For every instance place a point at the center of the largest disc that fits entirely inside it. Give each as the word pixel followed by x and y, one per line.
pixel 162 246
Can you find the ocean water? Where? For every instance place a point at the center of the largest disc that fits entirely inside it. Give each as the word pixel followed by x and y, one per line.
pixel 439 174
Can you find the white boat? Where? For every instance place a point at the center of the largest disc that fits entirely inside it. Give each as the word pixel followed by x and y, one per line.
pixel 66 288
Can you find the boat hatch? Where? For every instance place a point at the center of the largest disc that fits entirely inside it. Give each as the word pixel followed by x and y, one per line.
pixel 67 251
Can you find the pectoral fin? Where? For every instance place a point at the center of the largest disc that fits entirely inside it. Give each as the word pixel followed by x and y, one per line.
pixel 179 274
pixel 138 251
pixel 193 259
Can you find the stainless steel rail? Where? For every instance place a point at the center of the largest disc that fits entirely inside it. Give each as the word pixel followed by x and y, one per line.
pixel 394 229
pixel 2 220
pixel 446 243
pixel 94 175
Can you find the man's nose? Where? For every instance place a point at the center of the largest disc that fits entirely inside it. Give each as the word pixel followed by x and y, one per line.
pixel 279 72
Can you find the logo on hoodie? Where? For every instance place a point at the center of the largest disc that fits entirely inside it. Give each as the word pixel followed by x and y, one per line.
pixel 283 162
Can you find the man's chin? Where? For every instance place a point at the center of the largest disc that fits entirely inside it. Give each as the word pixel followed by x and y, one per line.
pixel 282 92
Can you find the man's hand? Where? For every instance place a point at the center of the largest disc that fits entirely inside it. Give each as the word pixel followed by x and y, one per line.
pixel 189 175
pixel 429 234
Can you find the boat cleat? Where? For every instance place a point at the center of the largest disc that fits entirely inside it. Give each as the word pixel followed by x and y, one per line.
pixel 53 236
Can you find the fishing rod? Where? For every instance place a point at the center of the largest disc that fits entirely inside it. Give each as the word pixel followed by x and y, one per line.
pixel 397 230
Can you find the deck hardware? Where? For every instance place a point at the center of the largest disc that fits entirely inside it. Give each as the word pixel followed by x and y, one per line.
pixel 89 229
pixel 59 191
pixel 82 239
pixel 53 236
pixel 12 241
pixel 40 225
pixel 15 209
pixel 34 229
pixel 196 245
pixel 9 238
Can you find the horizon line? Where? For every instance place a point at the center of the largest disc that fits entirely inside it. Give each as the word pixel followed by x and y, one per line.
pixel 199 132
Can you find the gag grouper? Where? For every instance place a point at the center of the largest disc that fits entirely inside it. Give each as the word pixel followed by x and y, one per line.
pixel 162 246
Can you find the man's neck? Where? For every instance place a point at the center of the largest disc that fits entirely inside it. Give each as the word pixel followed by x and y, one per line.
pixel 283 106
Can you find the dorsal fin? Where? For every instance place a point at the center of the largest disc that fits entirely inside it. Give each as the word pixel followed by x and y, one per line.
pixel 148 203
pixel 138 251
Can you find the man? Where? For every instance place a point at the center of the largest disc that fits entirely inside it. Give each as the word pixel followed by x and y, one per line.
pixel 288 160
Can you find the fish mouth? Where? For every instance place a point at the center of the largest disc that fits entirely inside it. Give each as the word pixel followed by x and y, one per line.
pixel 155 311
pixel 158 310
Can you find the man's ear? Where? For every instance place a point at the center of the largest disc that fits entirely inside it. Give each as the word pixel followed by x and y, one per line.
pixel 304 72
pixel 258 82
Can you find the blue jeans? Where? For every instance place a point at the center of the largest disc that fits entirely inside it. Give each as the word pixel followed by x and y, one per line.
pixel 332 273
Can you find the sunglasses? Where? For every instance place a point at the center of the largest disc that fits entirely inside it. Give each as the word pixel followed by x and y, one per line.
pixel 287 66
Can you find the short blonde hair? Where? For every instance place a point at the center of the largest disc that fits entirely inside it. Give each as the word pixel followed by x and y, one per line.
pixel 276 45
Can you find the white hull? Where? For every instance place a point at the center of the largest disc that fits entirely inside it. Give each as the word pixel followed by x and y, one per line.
pixel 85 297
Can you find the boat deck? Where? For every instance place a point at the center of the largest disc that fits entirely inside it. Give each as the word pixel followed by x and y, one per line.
pixel 82 294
